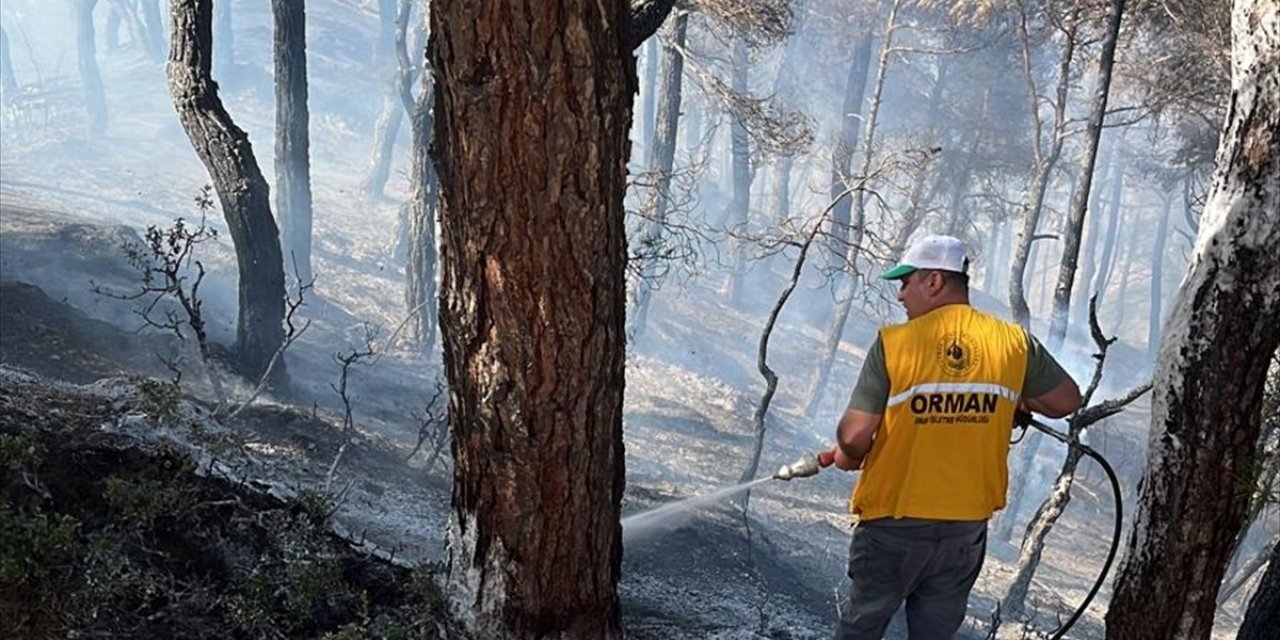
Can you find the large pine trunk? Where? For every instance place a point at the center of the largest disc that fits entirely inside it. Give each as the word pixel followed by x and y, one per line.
pixel 533 108
pixel 246 202
pixel 1080 200
pixel 1212 365
pixel 95 100
pixel 293 140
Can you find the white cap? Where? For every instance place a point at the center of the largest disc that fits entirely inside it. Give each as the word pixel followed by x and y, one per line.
pixel 943 253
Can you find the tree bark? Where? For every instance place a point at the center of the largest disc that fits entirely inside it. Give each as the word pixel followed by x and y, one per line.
pixel 1012 606
pixel 1080 201
pixel 421 251
pixel 95 99
pixel 1045 160
pixel 1212 365
pixel 293 138
pixel 1262 618
pixel 533 109
pixel 661 165
pixel 246 202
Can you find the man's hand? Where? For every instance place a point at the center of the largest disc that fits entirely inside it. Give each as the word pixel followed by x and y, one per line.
pixel 839 459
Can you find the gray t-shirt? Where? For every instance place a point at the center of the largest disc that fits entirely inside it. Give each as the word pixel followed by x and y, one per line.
pixel 871 394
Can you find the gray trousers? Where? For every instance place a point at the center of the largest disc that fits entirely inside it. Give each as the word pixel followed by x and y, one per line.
pixel 931 564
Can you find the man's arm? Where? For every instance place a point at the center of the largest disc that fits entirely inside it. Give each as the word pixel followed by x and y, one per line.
pixel 1062 400
pixel 861 419
pixel 1047 388
pixel 854 437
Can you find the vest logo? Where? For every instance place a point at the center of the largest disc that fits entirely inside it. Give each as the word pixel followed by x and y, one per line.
pixel 953 403
pixel 957 355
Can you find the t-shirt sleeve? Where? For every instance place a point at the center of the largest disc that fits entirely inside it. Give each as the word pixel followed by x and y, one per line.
pixel 1043 371
pixel 871 394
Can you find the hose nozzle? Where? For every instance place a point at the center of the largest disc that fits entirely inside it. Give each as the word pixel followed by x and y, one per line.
pixel 803 468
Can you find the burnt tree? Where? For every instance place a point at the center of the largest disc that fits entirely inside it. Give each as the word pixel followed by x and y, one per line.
pixel 1212 364
pixel 293 139
pixel 1074 225
pixel 95 99
pixel 242 191
pixel 532 110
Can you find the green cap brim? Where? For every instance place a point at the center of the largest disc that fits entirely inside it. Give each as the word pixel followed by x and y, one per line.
pixel 900 271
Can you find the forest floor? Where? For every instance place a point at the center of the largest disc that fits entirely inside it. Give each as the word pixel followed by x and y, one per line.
pixel 67 204
pixel 706 573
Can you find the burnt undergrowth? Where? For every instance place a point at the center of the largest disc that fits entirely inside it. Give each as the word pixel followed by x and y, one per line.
pixel 104 536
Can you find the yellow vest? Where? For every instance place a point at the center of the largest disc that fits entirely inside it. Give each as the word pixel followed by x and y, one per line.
pixel 955 376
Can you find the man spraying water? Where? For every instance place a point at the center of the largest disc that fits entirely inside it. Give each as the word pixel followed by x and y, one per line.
pixel 929 425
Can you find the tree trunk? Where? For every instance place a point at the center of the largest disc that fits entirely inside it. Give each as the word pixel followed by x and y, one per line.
pixel 1045 161
pixel 1262 618
pixel 534 346
pixel 1080 307
pixel 661 165
pixel 1047 515
pixel 1212 364
pixel 1131 247
pixel 421 253
pixel 767 372
pixel 780 199
pixel 394 29
pixel 649 96
pixel 1020 467
pixel 851 126
pixel 95 99
pixel 8 81
pixel 740 152
pixel 293 139
pixel 1155 315
pixel 1115 221
pixel 1080 201
pixel 246 202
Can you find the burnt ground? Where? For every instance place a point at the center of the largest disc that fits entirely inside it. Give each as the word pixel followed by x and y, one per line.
pixel 707 576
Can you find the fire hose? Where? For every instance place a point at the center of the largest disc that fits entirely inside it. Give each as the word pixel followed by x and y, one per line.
pixel 1026 420
pixel 809 466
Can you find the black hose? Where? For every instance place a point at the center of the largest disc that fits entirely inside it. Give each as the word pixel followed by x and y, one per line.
pixel 1115 535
